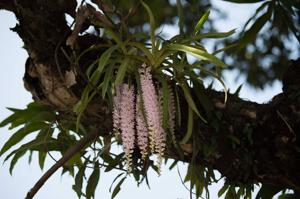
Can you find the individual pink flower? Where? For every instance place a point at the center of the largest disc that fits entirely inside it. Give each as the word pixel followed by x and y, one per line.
pixel 141 127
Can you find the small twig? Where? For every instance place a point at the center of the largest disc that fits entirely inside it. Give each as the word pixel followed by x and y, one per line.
pixel 67 156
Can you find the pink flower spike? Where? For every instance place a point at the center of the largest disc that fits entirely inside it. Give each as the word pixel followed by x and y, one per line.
pixel 142 131
pixel 127 122
pixel 152 109
pixel 117 109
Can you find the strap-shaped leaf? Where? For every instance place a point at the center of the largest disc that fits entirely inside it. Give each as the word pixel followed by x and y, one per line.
pixel 91 48
pixel 102 63
pixel 93 182
pixel 144 49
pixel 108 78
pixel 77 187
pixel 250 34
pixel 189 127
pixel 204 70
pixel 33 112
pixel 180 16
pixel 152 25
pixel 9 119
pixel 117 39
pixel 223 190
pixel 201 21
pixel 28 146
pixel 20 134
pixel 92 85
pixel 190 100
pixel 122 71
pixel 215 35
pixel 198 53
pixel 117 188
pixel 42 158
pixel 15 159
pixel 288 20
pixel 267 191
pixel 116 178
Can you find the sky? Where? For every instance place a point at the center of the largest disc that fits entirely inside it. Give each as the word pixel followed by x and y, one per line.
pixel 13 94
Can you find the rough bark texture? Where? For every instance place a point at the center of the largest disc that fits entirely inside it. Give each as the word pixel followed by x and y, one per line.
pixel 266 148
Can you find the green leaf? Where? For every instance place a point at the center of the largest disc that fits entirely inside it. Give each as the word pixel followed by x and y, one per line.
pixel 201 21
pixel 189 127
pixel 42 158
pixel 75 160
pixel 33 112
pixel 20 134
pixel 288 196
pixel 225 48
pixel 122 71
pixel 180 16
pixel 214 35
pixel 200 54
pixel 86 97
pixel 28 146
pixel 93 182
pixel 203 98
pixel 173 164
pixel 145 50
pixel 231 193
pixel 117 188
pixel 116 37
pixel 190 100
pixel 223 190
pixel 288 20
pixel 204 70
pixel 77 187
pixel 152 25
pixel 107 79
pixel 116 178
pixel 15 159
pixel 102 62
pixel 238 90
pixel 258 10
pixel 9 119
pixel 251 34
pixel 91 48
pixel 267 191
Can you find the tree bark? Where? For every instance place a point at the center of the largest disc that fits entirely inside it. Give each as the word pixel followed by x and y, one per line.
pixel 251 142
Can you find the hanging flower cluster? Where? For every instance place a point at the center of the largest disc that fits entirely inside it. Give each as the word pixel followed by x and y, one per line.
pixel 143 114
pixel 124 119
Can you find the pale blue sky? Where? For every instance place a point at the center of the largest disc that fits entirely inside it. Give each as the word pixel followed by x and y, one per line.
pixel 167 186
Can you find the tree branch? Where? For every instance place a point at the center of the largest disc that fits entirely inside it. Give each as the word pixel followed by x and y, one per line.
pixel 67 156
